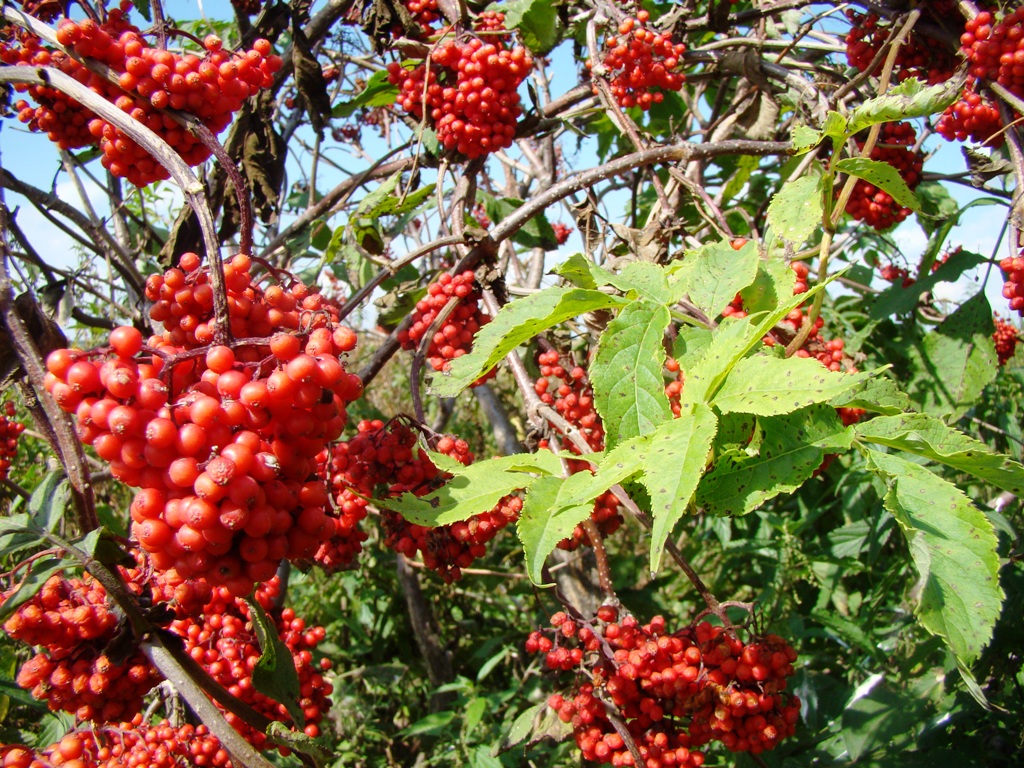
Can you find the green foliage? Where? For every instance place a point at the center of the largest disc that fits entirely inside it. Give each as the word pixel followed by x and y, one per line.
pixel 954 549
pixel 628 388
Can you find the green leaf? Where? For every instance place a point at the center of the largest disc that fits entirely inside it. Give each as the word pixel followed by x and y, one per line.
pixel 431 724
pixel 53 727
pixel 537 22
pixel 532 726
pixel 937 205
pixel 379 196
pixel 850 632
pixel 769 386
pixel 384 202
pixel 578 270
pixel 542 524
pixel 931 438
pixel 795 212
pixel 637 279
pixel 878 394
pixel 320 235
pixel 836 128
pixel 647 280
pixel 274 674
pixel 792 447
pixel 473 489
pixel 629 391
pixel 731 341
pixel 38 571
pixel 473 714
pixel 909 99
pixel 953 546
pixel 535 233
pixel 617 465
pixel 49 501
pixel 957 360
pixel 774 282
pixel 878 717
pixel 899 299
pixel 713 274
pixel 316 748
pixel 676 459
pixel 883 176
pixel 804 139
pixel 516 323
pixel 377 93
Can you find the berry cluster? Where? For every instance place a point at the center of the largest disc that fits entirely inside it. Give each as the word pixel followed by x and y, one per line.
pixel 995 51
pixel 562 232
pixel 872 205
pixel 424 13
pixel 921 57
pixel 133 743
pixel 71 619
pixel 893 274
pixel 640 61
pixel 454 335
pixel 10 431
pixel 568 391
pixel 150 80
pixel 222 639
pixel 384 459
pixel 467 90
pixel 1006 337
pixel 674 389
pixel 226 443
pixel 1013 287
pixel 674 691
pixel 973 117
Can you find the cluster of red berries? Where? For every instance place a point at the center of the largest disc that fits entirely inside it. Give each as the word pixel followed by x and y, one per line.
pixel 1013 287
pixel 641 61
pixel 424 13
pixel 133 743
pixel 995 51
pixel 974 117
pixel 150 80
pixel 673 690
pixel 921 57
pixel 385 459
pixel 72 621
pixel 227 443
pixel 480 216
pixel 10 431
pixel 872 205
pixel 454 335
pixel 568 391
pixel 221 638
pixel 562 232
pixel 674 389
pixel 1006 337
pixel 893 274
pixel 467 90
